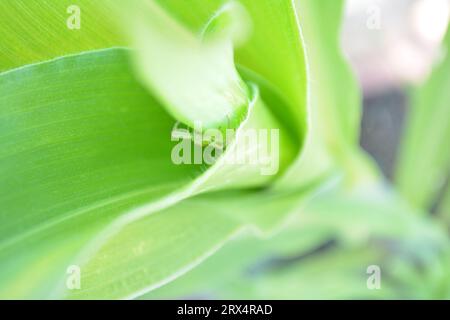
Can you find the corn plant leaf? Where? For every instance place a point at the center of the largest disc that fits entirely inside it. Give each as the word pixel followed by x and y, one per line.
pixel 144 260
pixel 83 152
pixel 272 53
pixel 334 102
pixel 337 111
pixel 25 44
pixel 87 174
pixel 80 202
pixel 174 63
pixel 237 258
pixel 424 159
pixel 154 250
pixel 99 187
pixel 34 31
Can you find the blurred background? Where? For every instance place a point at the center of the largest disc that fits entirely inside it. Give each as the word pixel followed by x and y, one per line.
pixel 393 46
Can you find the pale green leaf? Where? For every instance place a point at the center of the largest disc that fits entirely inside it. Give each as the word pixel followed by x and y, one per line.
pixel 149 252
pixel 334 101
pixel 175 63
pixel 153 251
pixel 273 51
pixel 424 159
pixel 237 259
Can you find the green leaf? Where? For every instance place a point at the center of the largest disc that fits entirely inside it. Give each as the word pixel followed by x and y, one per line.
pixel 273 52
pixel 34 31
pixel 151 251
pixel 175 64
pixel 84 151
pixel 424 160
pixel 194 77
pixel 335 97
pixel 238 258
pixel 91 132
pixel 332 142
pixel 78 153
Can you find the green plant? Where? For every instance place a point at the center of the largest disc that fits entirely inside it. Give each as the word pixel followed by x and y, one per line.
pixel 88 179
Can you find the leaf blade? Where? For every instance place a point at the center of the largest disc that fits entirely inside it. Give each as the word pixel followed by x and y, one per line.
pixel 424 157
